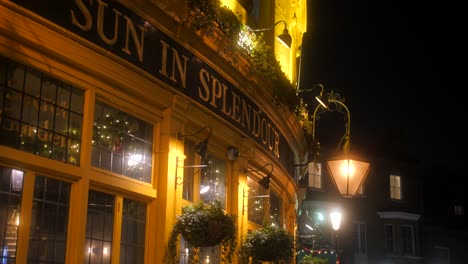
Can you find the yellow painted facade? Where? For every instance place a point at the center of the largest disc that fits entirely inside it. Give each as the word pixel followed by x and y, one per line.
pixel 29 39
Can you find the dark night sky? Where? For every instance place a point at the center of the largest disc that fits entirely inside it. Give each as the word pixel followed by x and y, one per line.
pixel 397 65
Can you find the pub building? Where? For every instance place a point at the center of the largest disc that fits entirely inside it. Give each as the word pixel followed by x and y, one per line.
pixel 116 114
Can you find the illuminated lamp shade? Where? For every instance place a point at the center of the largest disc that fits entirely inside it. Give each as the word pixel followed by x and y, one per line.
pixel 285 39
pixel 335 217
pixel 348 174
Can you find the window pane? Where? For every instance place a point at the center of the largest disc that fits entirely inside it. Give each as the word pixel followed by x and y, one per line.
pixel 49 221
pixel 119 143
pixel 9 133
pixel 132 243
pixel 395 187
pixel 63 95
pixel 257 202
pixel 11 186
pixel 407 240
pixel 213 181
pixel 33 83
pixel 275 209
pixel 13 103
pixel 61 121
pixel 36 120
pixel 77 100
pixel 390 239
pixel 30 110
pixel 28 138
pixel 49 89
pixel 15 75
pixel 99 226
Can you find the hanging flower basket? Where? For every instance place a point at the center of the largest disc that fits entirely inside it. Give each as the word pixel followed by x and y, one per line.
pixel 203 225
pixel 268 243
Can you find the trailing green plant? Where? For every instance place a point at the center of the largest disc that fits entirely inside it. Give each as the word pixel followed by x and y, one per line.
pixel 207 16
pixel 203 225
pixel 269 243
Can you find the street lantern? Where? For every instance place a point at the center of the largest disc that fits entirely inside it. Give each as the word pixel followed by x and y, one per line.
pixel 335 218
pixel 347 173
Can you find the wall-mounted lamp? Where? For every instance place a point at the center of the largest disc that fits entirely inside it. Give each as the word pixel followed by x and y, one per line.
pixel 284 38
pixel 348 174
pixel 179 180
pixel 202 147
pixel 265 181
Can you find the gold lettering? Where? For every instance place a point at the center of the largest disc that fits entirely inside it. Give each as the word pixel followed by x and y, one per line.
pixel 256 123
pixel 236 108
pixel 277 141
pixel 100 24
pixel 264 131
pixel 246 113
pixel 216 91
pixel 225 110
pixel 182 70
pixel 204 75
pixel 138 43
pixel 163 69
pixel 88 23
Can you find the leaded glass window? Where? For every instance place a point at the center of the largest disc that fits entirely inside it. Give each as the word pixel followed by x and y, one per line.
pixel 132 242
pixel 99 228
pixel 40 114
pixel 49 221
pixel 213 181
pixel 122 143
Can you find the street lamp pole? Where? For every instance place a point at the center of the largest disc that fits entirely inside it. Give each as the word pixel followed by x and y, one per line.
pixel 335 217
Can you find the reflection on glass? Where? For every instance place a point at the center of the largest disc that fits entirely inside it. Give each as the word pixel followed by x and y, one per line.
pixel 49 221
pixel 257 202
pixel 213 181
pixel 275 209
pixel 132 243
pixel 37 115
pixel 99 226
pixel 122 143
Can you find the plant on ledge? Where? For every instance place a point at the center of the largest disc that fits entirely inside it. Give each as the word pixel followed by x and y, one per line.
pixel 203 225
pixel 269 243
pixel 208 16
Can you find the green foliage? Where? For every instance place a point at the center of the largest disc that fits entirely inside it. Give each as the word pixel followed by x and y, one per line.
pixel 208 15
pixel 268 243
pixel 309 259
pixel 203 225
